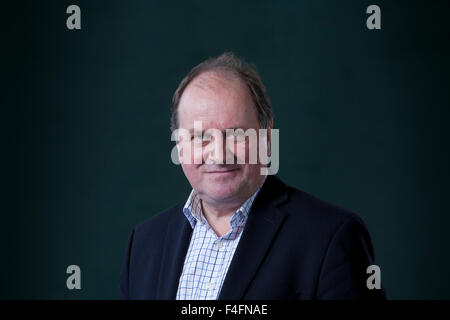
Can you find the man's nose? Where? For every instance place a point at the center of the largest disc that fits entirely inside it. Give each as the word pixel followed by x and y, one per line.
pixel 218 151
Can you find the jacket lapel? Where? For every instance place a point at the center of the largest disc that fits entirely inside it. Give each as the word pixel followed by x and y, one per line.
pixel 263 222
pixel 176 245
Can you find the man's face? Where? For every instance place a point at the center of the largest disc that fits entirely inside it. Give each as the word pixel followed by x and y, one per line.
pixel 219 101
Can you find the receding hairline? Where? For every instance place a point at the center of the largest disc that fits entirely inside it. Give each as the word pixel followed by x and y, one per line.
pixel 220 75
pixel 210 81
pixel 227 66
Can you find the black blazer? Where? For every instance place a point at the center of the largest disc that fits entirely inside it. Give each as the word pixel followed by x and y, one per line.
pixel 293 246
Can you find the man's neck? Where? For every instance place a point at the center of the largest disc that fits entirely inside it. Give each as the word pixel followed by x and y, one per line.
pixel 219 215
pixel 218 219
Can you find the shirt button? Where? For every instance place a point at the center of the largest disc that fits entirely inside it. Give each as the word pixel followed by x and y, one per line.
pixel 208 285
pixel 219 244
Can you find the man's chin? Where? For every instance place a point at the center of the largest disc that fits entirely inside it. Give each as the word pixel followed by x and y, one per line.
pixel 222 193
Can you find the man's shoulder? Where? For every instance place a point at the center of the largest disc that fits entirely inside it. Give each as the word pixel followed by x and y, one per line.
pixel 159 221
pixel 317 214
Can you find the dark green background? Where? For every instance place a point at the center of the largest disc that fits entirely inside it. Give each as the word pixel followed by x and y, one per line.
pixel 363 118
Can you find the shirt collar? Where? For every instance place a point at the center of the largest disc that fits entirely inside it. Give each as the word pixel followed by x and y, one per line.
pixel 194 213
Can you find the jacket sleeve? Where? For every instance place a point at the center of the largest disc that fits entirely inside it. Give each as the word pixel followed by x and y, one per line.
pixel 123 293
pixel 343 273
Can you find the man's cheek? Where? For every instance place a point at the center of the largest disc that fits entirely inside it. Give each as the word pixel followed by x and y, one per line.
pixel 245 153
pixel 184 153
pixel 189 154
pixel 191 171
pixel 197 155
pixel 251 152
pixel 239 153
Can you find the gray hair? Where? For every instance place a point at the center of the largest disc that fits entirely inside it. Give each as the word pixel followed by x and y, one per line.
pixel 228 62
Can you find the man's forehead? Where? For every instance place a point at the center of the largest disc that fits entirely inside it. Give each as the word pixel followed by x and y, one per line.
pixel 201 127
pixel 210 86
pixel 210 79
pixel 207 100
pixel 215 116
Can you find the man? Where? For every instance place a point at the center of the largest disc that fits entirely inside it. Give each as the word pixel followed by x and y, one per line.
pixel 241 234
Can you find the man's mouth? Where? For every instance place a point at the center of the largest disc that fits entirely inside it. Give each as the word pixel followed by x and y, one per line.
pixel 223 171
